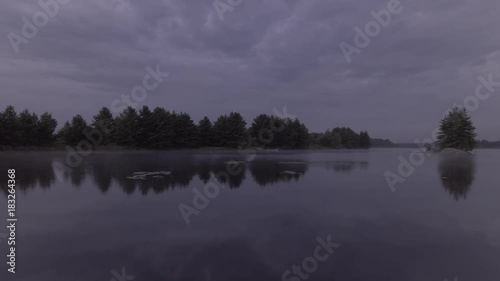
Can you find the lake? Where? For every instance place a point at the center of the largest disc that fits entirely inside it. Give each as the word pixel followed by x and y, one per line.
pixel 281 215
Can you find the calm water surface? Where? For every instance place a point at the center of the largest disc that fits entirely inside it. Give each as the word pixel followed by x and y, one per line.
pixel 107 215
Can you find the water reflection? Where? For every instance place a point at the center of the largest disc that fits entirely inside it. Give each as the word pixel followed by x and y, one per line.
pixel 161 171
pixel 206 168
pixel 271 172
pixel 457 173
pixel 121 167
pixel 30 172
pixel 346 166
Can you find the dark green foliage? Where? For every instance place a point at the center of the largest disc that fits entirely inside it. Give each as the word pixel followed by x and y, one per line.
pixel 9 124
pixel 382 143
pixel 296 135
pixel 46 128
pixel 349 138
pixel 229 130
pixel 185 131
pixel 161 129
pixel 73 133
pixel 28 128
pixel 457 131
pixel 127 125
pixel 146 127
pixel 206 136
pixel 364 140
pixel 273 132
pixel 105 124
pixel 342 138
pixel 163 135
pixel 262 133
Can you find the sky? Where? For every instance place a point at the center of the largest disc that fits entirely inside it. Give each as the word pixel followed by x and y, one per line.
pixel 259 56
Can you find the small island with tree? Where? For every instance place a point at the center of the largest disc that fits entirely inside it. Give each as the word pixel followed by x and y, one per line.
pixel 456 131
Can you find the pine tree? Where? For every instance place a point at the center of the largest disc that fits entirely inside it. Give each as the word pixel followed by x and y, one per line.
pixel 46 128
pixel 104 123
pixel 73 133
pixel 261 133
pixel 127 127
pixel 300 135
pixel 364 140
pixel 146 127
pixel 185 131
pixel 205 133
pixel 350 139
pixel 28 129
pixel 9 125
pixel 164 134
pixel 457 130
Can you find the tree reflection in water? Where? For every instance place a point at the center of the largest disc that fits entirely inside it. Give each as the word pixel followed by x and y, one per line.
pixel 457 172
pixel 162 171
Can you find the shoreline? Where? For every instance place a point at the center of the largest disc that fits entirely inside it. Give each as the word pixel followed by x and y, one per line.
pixel 202 149
pixel 134 149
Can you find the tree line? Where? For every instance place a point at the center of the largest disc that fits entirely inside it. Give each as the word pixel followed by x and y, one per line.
pixel 161 129
pixel 343 137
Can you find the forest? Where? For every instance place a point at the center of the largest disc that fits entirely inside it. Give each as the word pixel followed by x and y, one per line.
pixel 161 129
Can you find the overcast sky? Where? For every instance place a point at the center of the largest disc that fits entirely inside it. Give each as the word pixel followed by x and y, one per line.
pixel 263 54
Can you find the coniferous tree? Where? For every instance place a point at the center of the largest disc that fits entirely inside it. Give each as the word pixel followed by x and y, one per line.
pixel 28 129
pixel 146 127
pixel 230 130
pixel 278 126
pixel 336 140
pixel 237 128
pixel 456 130
pixel 300 135
pixel 73 133
pixel 104 123
pixel 185 131
pixel 205 133
pixel 164 129
pixel 46 128
pixel 350 139
pixel 126 127
pixel 221 132
pixel 64 134
pixel 364 140
pixel 326 139
pixel 341 138
pixel 261 131
pixel 161 129
pixel 9 125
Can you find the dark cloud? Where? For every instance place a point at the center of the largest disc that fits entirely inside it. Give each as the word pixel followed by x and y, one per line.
pixel 264 54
